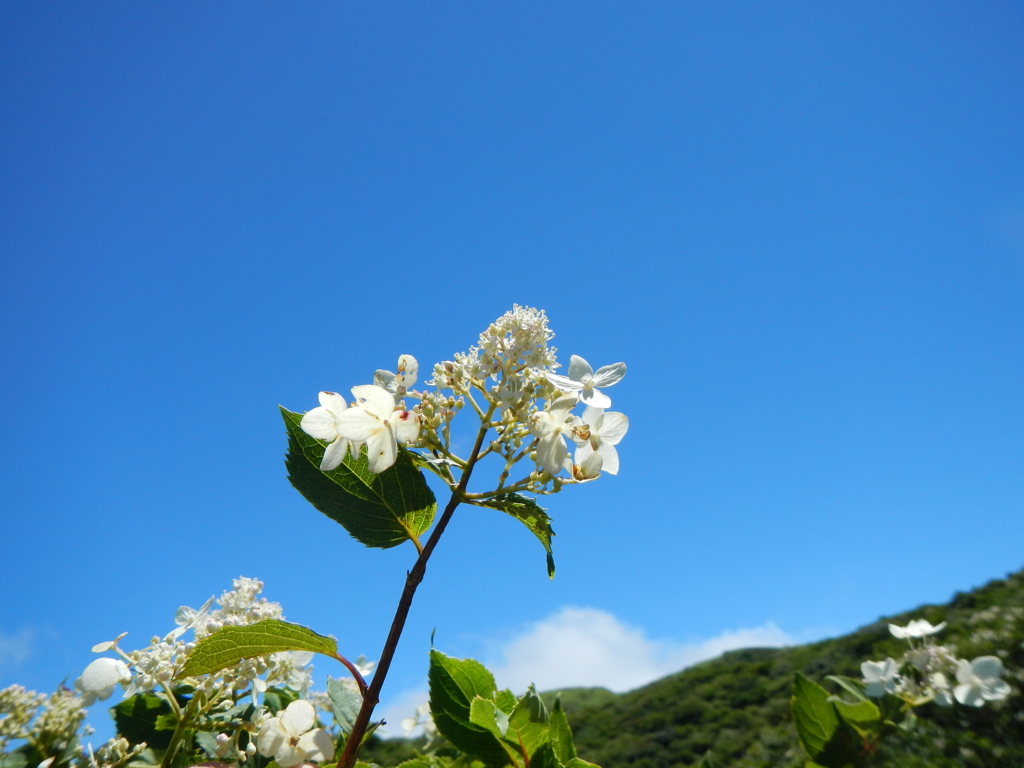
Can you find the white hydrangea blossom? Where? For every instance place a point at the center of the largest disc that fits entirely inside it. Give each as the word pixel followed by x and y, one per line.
pixel 291 737
pixel 507 378
pixel 924 673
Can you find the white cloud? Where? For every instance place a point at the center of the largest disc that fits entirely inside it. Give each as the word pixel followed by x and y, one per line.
pixel 16 648
pixel 587 647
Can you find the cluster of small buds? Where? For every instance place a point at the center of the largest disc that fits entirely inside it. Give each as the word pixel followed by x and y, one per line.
pixel 154 665
pixel 115 752
pixel 59 719
pixel 239 606
pixel 926 672
pixel 18 706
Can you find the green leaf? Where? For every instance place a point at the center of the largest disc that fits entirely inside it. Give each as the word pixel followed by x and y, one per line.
pixel 505 701
pixel 136 720
pixel 561 734
pixel 827 739
pixel 545 757
pixel 232 644
pixel 531 514
pixel 277 699
pixel 528 726
pixel 854 687
pixel 862 713
pixel 21 757
pixel 208 743
pixel 484 713
pixel 345 702
pixel 381 510
pixel 813 715
pixel 454 683
pixel 705 762
pixel 578 763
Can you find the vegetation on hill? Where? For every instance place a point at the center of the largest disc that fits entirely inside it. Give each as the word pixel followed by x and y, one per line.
pixel 737 706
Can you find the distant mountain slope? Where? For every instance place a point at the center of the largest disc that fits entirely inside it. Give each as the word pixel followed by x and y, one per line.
pixel 738 705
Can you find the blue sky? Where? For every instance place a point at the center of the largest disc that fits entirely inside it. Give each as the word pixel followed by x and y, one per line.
pixel 800 225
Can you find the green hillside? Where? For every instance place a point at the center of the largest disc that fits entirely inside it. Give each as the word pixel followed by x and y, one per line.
pixel 737 706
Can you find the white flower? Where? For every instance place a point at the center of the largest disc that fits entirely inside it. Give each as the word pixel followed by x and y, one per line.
pixel 290 738
pixel 582 379
pixel 916 628
pixel 606 430
pixel 550 426
pixel 880 677
pixel 398 384
pixel 979 681
pixel 423 719
pixel 364 666
pixel 940 689
pixel 323 423
pixel 186 617
pixel 376 422
pixel 587 470
pixel 100 679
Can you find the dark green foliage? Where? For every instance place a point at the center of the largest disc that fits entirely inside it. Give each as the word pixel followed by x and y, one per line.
pixel 144 718
pixel 738 706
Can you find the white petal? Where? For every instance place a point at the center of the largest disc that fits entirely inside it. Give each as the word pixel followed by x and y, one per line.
pixel 898 631
pixel 990 691
pixel 578 368
pixel 381 450
pixel 560 408
pixel 564 382
pixel 613 427
pixel 610 457
pixel 287 756
pixel 987 667
pixel 104 673
pixel 405 425
pixel 182 617
pixel 590 467
pixel 609 374
pixel 551 452
pixel 375 400
pixel 357 424
pixel 320 423
pixel 595 399
pixel 334 454
pixel 969 695
pixel 271 737
pixel 298 717
pixel 317 745
pixel 541 424
pixel 408 369
pixel 302 658
pixel 583 452
pixel 964 672
pixel 594 417
pixel 332 401
pixel 385 379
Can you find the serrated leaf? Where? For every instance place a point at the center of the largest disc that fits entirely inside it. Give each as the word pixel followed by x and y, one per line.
pixel 345 702
pixel 813 715
pixel 531 514
pixel 561 734
pixel 484 713
pixel 528 725
pixel 454 683
pixel 378 510
pixel 505 701
pixel 232 644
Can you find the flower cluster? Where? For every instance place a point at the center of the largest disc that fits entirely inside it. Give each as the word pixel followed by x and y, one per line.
pixel 524 409
pixel 931 672
pixel 50 724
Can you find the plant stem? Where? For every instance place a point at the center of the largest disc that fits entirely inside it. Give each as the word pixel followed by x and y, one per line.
pixel 412 580
pixel 179 731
